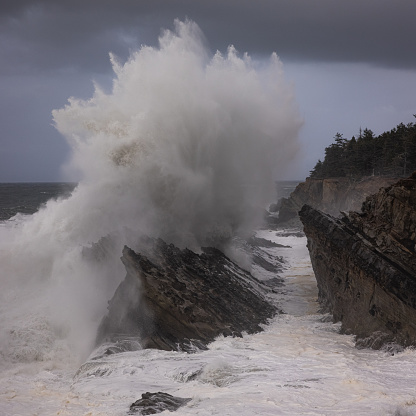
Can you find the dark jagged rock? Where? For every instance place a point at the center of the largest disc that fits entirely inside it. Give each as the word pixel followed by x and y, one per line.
pixel 176 299
pixel 274 207
pixel 152 403
pixel 259 257
pixel 270 219
pixel 365 265
pixel 331 195
pixel 262 242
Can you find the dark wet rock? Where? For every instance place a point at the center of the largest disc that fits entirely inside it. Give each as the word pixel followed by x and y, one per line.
pixel 365 265
pixel 274 283
pixel 116 346
pixel 152 403
pixel 379 340
pixel 274 207
pixel 271 219
pixel 291 233
pixel 266 265
pixel 174 299
pixel 254 249
pixel 262 242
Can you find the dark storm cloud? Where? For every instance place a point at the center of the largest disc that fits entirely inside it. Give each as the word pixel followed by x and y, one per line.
pixel 53 49
pixel 51 34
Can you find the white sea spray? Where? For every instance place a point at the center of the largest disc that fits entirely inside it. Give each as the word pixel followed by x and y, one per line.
pixel 185 146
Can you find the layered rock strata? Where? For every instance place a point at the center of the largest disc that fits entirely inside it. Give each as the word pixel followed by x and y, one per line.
pixel 331 195
pixel 365 265
pixel 175 299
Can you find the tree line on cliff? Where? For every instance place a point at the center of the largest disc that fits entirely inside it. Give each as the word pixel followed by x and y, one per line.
pixel 392 153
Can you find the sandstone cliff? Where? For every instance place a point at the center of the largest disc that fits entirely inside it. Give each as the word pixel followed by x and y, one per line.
pixel 365 265
pixel 331 195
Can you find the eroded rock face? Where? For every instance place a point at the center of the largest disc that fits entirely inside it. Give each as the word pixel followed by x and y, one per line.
pixel 176 299
pixel 365 265
pixel 331 195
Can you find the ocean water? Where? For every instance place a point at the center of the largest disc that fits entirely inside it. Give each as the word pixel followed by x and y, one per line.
pixel 184 147
pixel 299 365
pixel 27 198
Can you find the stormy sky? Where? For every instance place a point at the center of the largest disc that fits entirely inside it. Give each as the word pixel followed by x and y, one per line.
pixel 352 63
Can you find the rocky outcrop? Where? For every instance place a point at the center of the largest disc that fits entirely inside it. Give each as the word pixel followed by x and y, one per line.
pixel 365 265
pixel 331 195
pixel 176 299
pixel 152 403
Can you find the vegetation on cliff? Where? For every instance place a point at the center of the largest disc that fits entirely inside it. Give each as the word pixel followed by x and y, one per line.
pixel 392 153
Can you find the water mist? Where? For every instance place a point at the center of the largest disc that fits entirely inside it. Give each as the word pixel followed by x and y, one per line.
pixel 184 147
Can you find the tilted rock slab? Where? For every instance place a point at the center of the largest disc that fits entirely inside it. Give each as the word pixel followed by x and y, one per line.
pixel 176 299
pixel 365 265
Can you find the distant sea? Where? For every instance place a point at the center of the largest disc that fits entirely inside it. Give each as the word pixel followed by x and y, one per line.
pixel 27 197
pixel 285 188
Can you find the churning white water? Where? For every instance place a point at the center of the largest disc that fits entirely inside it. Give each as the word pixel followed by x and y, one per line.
pixel 185 146
pixel 300 365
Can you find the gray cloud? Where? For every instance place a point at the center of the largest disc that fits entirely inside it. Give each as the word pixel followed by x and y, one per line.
pixel 49 34
pixel 52 49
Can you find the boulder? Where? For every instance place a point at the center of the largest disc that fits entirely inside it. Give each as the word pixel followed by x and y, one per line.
pixel 152 403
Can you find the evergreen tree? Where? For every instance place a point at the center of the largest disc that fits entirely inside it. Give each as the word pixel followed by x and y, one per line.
pixel 392 153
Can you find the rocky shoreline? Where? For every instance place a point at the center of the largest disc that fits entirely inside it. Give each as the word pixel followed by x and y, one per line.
pixel 173 299
pixel 365 265
pixel 364 262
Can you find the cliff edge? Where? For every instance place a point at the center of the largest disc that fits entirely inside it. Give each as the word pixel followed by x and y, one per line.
pixel 365 265
pixel 331 195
